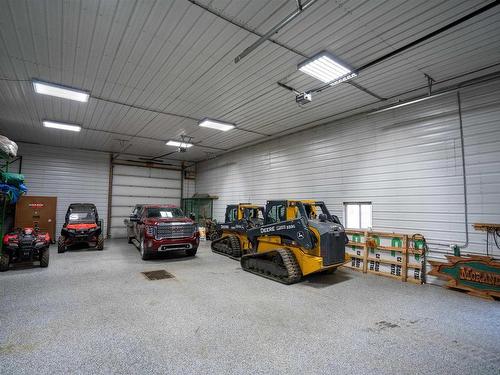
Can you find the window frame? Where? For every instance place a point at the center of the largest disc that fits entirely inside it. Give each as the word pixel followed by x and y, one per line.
pixel 359 204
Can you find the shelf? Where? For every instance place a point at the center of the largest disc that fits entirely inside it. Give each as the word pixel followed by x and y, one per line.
pixel 355 231
pixel 405 252
pixel 412 250
pixel 387 234
pixel 385 261
pixel 417 266
pixel 356 256
pixel 390 248
pixel 357 244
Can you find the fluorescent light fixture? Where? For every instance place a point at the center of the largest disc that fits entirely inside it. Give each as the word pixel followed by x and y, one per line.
pixel 60 91
pixel 215 124
pixel 413 101
pixel 327 68
pixel 178 144
pixel 61 126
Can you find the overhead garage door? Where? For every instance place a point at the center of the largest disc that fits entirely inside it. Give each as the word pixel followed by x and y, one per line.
pixel 134 185
pixel 71 176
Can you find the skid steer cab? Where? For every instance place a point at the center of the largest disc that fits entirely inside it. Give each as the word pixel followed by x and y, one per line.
pixel 232 238
pixel 81 226
pixel 298 238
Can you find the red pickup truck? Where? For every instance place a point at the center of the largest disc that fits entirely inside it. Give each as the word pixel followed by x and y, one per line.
pixel 163 228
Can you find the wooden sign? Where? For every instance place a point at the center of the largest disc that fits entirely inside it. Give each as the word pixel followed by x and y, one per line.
pixel 477 275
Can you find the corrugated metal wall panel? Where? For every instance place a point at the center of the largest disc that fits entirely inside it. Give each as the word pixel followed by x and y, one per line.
pixel 70 175
pixel 135 184
pixel 406 161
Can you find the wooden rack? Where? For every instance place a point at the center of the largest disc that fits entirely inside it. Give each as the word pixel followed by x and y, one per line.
pixel 396 255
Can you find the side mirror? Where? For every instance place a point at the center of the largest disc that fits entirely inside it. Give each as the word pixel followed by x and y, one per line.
pixel 322 218
pixel 134 219
pixel 192 216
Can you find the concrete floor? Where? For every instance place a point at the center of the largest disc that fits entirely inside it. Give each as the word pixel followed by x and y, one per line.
pixel 94 312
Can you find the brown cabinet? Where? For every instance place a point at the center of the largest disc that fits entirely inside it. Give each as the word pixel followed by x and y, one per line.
pixel 32 211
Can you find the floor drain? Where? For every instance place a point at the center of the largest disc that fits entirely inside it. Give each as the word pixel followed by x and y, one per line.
pixel 158 275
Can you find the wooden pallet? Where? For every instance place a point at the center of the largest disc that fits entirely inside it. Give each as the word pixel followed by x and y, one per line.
pixel 374 252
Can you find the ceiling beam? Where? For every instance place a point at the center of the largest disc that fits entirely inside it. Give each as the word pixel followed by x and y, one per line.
pixel 300 9
pixel 282 45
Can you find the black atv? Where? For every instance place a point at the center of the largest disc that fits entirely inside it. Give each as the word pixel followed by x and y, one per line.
pixel 81 225
pixel 23 245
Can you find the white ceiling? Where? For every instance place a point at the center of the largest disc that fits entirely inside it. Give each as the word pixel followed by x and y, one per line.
pixel 175 57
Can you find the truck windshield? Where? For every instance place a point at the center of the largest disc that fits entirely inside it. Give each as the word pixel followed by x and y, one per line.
pixel 164 212
pixel 82 217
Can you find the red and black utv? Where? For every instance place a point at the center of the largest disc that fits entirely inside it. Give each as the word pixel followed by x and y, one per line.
pixel 81 226
pixel 25 245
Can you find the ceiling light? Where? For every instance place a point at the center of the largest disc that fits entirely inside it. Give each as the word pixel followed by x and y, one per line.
pixel 60 91
pixel 214 124
pixel 327 68
pixel 61 126
pixel 179 144
pixel 413 101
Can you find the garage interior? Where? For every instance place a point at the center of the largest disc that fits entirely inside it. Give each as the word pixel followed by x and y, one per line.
pixel 387 111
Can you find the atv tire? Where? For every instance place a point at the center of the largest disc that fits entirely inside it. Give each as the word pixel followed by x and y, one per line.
pixel 4 262
pixel 61 247
pixel 44 257
pixel 191 252
pixel 130 239
pixel 100 242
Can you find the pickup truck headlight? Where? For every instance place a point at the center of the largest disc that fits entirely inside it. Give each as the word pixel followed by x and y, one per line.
pixel 150 230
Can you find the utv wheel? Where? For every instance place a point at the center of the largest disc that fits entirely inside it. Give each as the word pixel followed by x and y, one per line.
pixel 44 257
pixel 61 247
pixel 142 249
pixel 100 242
pixel 130 239
pixel 191 252
pixel 4 262
pixel 330 271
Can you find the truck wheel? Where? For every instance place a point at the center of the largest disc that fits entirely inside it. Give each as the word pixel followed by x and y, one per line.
pixel 100 242
pixel 61 247
pixel 44 257
pixel 191 252
pixel 144 254
pixel 4 262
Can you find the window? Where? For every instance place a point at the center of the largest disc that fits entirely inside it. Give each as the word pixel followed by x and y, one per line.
pixel 81 217
pixel 231 214
pixel 358 215
pixel 276 213
pixel 164 212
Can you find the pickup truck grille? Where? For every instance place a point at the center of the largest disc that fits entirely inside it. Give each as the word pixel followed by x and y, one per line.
pixel 174 230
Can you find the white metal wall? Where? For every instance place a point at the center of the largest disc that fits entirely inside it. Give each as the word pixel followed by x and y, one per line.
pixel 406 161
pixel 133 185
pixel 73 176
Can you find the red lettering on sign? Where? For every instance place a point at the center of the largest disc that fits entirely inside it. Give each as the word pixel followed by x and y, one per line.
pixel 36 205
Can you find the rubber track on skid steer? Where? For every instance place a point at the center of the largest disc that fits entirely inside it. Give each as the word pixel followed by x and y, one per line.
pixel 291 265
pixel 235 244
